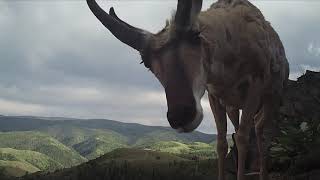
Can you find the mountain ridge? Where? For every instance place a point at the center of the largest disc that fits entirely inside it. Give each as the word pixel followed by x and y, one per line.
pixel 133 130
pixel 80 140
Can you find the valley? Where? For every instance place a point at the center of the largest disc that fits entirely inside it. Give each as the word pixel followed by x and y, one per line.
pixel 33 144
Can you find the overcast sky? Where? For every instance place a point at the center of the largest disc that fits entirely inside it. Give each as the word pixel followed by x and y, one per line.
pixel 58 60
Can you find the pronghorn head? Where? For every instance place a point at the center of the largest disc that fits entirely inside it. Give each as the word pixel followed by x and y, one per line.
pixel 174 56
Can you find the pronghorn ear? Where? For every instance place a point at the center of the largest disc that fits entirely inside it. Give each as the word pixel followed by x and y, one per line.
pixel 187 14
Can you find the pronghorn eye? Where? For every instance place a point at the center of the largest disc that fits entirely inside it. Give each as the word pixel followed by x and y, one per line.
pixel 194 36
pixel 190 36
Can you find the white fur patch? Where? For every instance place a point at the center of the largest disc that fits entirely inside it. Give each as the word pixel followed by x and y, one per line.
pixel 198 91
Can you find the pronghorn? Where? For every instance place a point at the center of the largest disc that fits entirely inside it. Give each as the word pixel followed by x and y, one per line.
pixel 230 51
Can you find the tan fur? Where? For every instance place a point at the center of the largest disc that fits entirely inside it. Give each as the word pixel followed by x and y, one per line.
pixel 231 51
pixel 246 68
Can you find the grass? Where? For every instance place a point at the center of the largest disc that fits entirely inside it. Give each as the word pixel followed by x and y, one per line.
pixel 50 145
pixel 100 143
pixel 42 143
pixel 17 168
pixel 36 159
pixel 45 152
pixel 135 164
pixel 196 150
pixel 126 154
pixel 92 143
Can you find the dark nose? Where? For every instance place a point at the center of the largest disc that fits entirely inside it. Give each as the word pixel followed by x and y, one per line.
pixel 181 116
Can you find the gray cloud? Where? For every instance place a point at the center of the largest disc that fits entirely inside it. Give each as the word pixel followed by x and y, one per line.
pixel 298 25
pixel 58 60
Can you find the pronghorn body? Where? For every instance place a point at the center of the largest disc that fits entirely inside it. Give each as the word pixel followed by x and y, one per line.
pixel 242 45
pixel 230 50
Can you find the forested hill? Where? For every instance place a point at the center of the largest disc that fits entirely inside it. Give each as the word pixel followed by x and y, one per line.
pixel 30 144
pixel 65 126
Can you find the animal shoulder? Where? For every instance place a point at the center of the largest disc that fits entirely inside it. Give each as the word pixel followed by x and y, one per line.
pixel 238 35
pixel 233 19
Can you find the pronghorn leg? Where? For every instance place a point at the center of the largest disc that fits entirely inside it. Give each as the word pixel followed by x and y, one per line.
pixel 242 136
pixel 233 114
pixel 219 113
pixel 259 124
pixel 266 115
